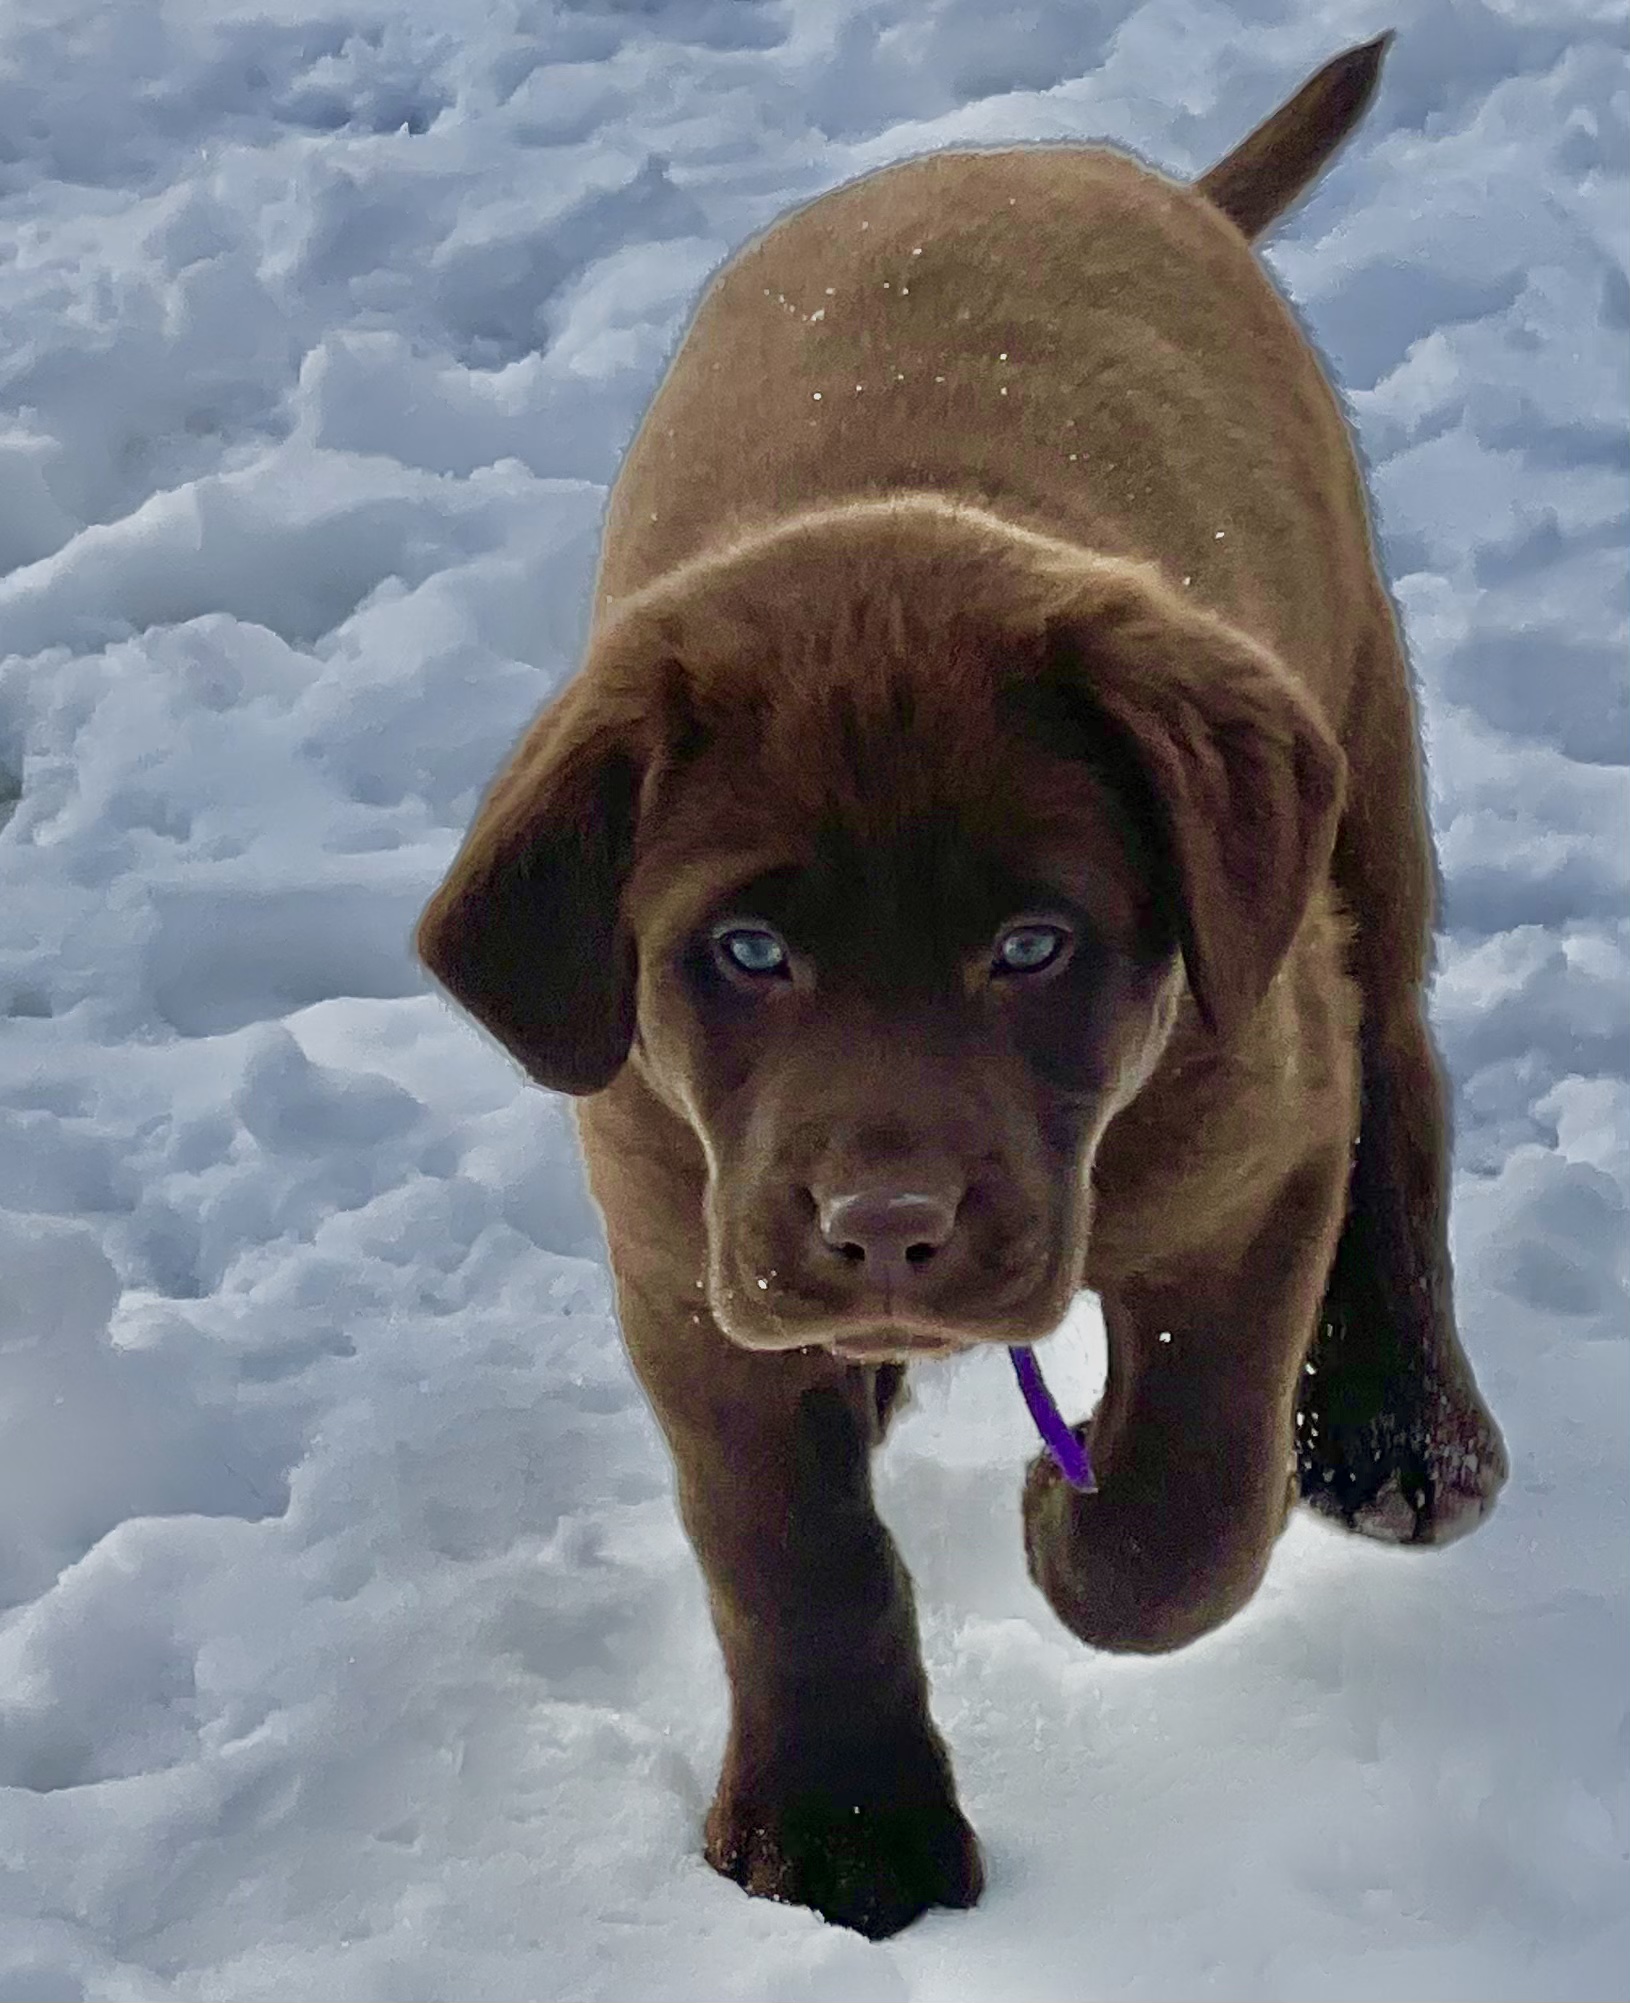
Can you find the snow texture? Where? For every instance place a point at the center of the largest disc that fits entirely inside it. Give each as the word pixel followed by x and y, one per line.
pixel 349 1647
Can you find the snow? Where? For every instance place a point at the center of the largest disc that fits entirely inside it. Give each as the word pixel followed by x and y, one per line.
pixel 349 1646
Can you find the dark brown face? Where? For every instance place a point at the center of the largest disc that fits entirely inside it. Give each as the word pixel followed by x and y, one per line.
pixel 897 982
pixel 885 843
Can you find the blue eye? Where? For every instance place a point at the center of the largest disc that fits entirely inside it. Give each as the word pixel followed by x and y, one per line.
pixel 1030 949
pixel 752 949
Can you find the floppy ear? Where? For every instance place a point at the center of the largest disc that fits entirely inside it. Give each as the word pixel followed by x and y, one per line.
pixel 526 931
pixel 1238 770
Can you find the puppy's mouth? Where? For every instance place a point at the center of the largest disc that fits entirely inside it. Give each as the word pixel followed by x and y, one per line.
pixel 875 1336
pixel 887 1331
pixel 894 1341
pixel 761 1306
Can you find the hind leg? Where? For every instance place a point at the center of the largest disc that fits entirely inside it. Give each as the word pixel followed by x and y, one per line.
pixel 1393 1437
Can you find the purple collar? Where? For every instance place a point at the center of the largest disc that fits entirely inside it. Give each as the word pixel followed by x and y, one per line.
pixel 1067 1449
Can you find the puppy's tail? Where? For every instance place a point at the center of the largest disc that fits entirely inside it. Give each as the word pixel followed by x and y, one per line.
pixel 1265 173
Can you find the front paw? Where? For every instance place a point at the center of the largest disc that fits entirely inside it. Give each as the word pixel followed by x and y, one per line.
pixel 870 1853
pixel 1157 1555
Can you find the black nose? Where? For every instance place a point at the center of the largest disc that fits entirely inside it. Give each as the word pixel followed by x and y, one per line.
pixel 891 1236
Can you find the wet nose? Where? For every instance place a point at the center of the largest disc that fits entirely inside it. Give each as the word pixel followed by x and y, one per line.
pixel 892 1237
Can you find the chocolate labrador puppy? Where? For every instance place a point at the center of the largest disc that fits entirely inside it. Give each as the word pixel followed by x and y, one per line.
pixel 982 857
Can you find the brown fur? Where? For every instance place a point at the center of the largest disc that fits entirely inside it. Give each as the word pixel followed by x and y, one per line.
pixel 993 551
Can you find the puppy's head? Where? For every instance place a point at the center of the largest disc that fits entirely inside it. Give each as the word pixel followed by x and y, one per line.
pixel 882 845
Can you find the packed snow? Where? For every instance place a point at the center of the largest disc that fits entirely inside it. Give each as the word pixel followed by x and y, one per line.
pixel 349 1646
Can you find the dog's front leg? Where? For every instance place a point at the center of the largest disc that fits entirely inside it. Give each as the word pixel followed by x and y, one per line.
pixel 1193 1442
pixel 836 1791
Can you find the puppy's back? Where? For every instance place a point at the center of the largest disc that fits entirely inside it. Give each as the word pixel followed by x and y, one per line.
pixel 1056 333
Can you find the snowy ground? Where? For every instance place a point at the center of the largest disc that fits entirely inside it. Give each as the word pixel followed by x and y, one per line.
pixel 348 1644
